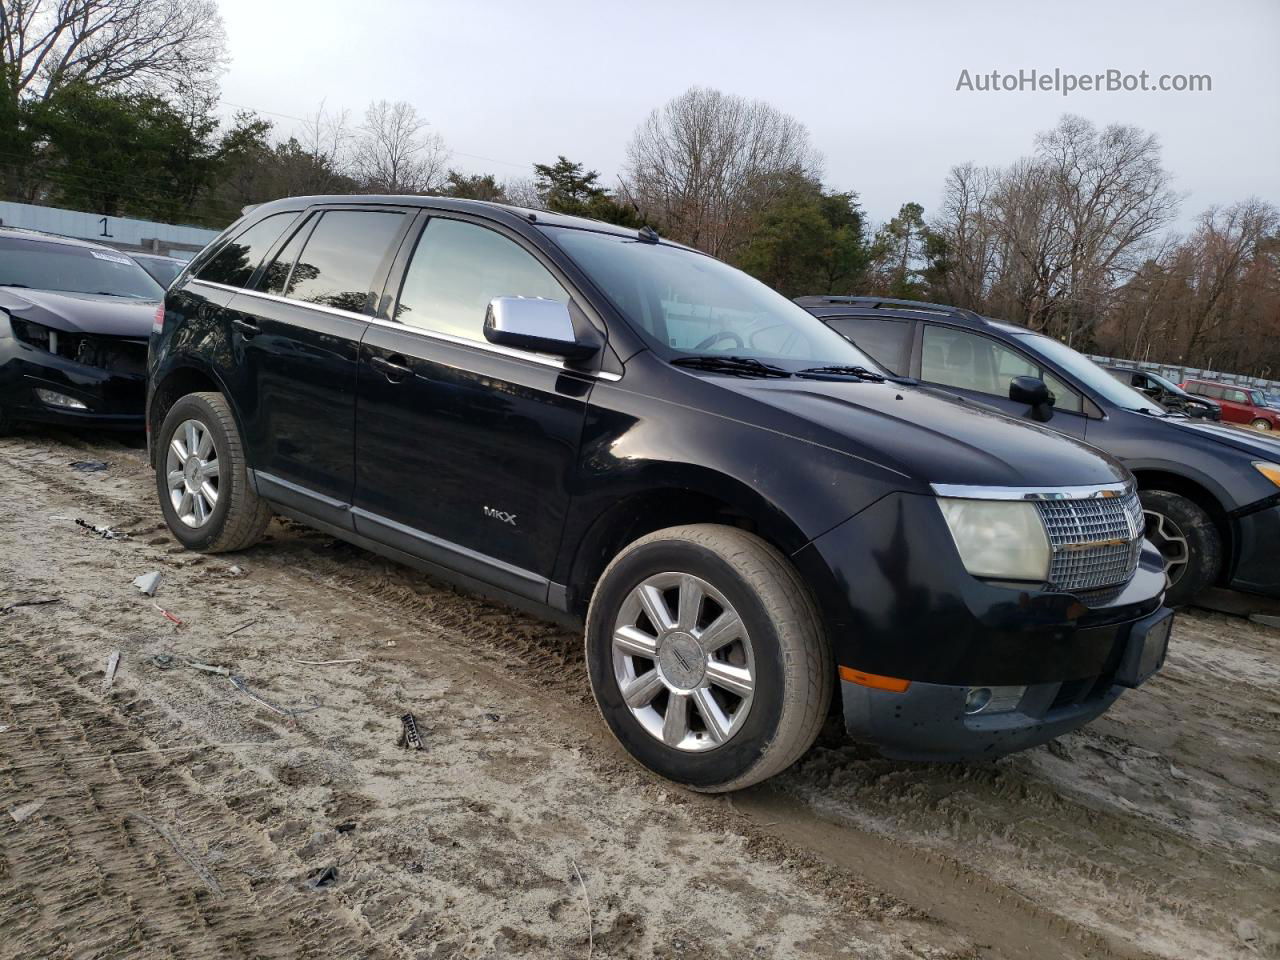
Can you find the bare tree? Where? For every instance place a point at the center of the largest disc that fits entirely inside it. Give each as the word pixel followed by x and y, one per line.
pixel 968 225
pixel 157 45
pixel 707 162
pixel 395 154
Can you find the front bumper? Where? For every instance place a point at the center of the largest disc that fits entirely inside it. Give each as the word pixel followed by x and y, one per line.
pixel 927 721
pixel 113 400
pixel 1257 568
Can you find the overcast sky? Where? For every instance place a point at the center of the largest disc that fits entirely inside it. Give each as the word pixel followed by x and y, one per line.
pixel 511 82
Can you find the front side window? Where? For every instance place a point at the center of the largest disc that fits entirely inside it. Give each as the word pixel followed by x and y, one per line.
pixel 70 268
pixel 693 304
pixel 457 268
pixel 339 264
pixel 234 264
pixel 955 358
pixel 1237 396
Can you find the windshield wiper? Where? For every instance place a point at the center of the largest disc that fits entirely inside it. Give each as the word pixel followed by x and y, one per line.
pixel 741 366
pixel 862 373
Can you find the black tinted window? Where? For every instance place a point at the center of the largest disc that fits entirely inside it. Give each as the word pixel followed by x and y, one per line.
pixel 277 272
pixel 458 268
pixel 235 263
pixel 341 258
pixel 885 340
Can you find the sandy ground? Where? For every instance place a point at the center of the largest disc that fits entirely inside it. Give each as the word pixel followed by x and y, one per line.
pixel 521 830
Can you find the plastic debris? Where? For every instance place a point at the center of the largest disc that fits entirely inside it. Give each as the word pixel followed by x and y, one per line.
pixel 162 661
pixel 235 570
pixel 208 668
pixel 410 736
pixel 290 712
pixel 198 868
pixel 169 616
pixel 148 583
pixel 113 662
pixel 89 466
pixel 38 602
pixel 22 811
pixel 322 877
pixel 325 663
pixel 107 533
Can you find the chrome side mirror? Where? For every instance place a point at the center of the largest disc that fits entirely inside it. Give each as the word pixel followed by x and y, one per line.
pixel 538 325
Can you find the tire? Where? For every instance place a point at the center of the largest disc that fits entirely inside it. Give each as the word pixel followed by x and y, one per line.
pixel 1189 541
pixel 782 648
pixel 1261 424
pixel 236 518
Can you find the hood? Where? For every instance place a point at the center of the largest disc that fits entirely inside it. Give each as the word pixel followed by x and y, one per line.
pixel 1260 445
pixel 931 437
pixel 80 312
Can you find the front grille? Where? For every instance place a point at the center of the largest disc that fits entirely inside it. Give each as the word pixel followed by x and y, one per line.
pixel 1095 541
pixel 126 355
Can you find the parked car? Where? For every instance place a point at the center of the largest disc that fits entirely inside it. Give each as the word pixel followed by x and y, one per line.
pixel 1167 393
pixel 74 320
pixel 164 270
pixel 1210 493
pixel 625 431
pixel 1239 404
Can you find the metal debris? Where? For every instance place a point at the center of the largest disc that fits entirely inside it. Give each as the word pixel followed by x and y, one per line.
pixel 290 712
pixel 148 583
pixel 410 737
pixel 187 856
pixel 113 662
pixel 347 827
pixel 322 878
pixel 326 663
pixel 163 661
pixel 22 811
pixel 88 466
pixel 208 668
pixel 107 533
pixel 40 601
pixel 243 626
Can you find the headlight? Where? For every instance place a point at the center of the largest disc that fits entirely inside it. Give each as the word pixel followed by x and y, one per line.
pixel 1000 539
pixel 1269 470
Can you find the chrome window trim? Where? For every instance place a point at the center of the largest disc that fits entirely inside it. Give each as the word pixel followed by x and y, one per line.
pixel 420 331
pixel 965 492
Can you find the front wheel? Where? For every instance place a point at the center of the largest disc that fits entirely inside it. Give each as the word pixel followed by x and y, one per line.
pixel 202 477
pixel 1188 541
pixel 1261 424
pixel 707 658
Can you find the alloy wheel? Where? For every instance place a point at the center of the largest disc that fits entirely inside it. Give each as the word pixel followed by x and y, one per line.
pixel 683 661
pixel 1169 539
pixel 192 473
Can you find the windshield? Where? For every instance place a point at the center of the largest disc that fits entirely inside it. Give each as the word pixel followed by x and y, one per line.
pixel 1085 371
pixel 695 305
pixel 66 268
pixel 163 270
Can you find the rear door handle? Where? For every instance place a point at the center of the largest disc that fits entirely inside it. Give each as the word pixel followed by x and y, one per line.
pixel 394 369
pixel 246 328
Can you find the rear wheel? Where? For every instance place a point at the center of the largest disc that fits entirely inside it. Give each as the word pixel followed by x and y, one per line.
pixel 707 658
pixel 1261 424
pixel 1188 541
pixel 202 478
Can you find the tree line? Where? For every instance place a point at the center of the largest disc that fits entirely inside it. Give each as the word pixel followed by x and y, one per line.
pixel 111 106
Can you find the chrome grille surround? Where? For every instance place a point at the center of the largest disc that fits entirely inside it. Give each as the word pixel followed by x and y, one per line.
pixel 1095 533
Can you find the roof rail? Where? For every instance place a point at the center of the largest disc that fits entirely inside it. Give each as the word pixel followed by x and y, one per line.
pixel 890 303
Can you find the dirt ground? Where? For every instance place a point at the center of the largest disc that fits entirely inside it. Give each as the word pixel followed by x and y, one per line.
pixel 181 814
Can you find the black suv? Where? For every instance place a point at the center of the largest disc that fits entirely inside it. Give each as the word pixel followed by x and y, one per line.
pixel 627 431
pixel 1210 492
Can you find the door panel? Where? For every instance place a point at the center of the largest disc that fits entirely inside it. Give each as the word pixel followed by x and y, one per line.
pixel 300 418
pixel 469 447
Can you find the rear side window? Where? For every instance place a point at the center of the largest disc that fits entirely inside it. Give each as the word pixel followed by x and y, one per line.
pixel 340 262
pixel 886 340
pixel 1208 390
pixel 277 273
pixel 458 268
pixel 234 264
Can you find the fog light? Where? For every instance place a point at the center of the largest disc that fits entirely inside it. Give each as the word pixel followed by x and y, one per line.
pixel 976 700
pixel 992 699
pixel 55 399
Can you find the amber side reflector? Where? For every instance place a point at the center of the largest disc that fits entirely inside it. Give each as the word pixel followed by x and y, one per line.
pixel 892 684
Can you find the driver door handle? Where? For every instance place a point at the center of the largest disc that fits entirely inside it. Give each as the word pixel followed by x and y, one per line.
pixel 246 328
pixel 393 368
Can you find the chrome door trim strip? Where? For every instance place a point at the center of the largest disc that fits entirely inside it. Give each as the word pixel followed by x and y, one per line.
pixel 483 345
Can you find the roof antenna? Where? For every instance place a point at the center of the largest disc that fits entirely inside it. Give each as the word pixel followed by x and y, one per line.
pixel 648 235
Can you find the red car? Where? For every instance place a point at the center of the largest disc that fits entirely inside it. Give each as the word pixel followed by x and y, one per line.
pixel 1239 404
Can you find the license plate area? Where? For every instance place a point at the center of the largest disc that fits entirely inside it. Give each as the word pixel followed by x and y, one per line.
pixel 1148 644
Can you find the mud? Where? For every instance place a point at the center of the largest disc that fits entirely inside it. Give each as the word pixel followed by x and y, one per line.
pixel 522 830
